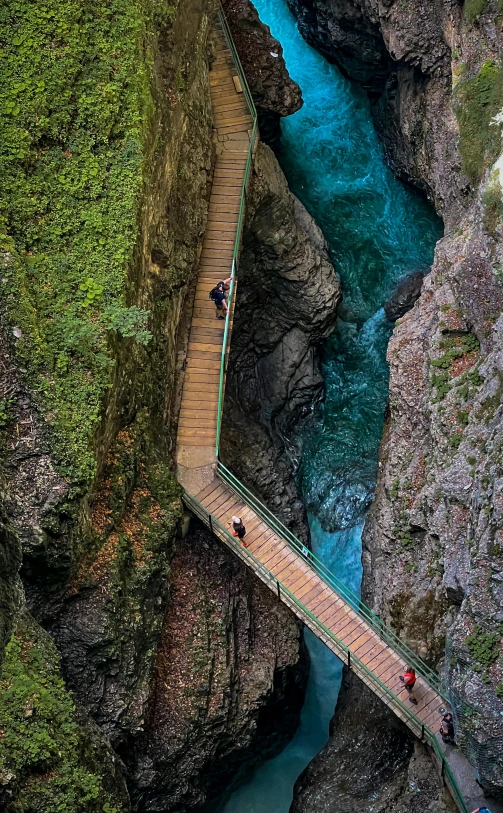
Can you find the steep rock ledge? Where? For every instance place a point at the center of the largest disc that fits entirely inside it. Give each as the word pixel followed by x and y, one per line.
pixel 229 681
pixel 432 551
pixel 287 298
pixel 374 766
pixel 274 92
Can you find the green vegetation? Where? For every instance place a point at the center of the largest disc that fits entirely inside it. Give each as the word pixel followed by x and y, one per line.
pixel 493 205
pixel 45 756
pixel 4 413
pixel 499 689
pixel 454 348
pixel 395 488
pixel 483 647
pixel 479 99
pixel 76 102
pixel 473 9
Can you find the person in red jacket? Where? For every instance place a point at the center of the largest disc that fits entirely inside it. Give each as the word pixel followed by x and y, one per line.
pixel 408 679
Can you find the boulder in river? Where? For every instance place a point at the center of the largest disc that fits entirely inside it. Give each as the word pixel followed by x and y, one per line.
pixel 405 296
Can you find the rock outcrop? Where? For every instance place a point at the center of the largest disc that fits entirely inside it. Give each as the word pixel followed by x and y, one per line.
pixel 370 763
pixel 274 93
pixel 432 548
pixel 287 298
pixel 229 681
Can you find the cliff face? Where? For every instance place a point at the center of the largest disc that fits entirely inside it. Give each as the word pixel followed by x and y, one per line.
pixel 287 298
pixel 274 93
pixel 87 432
pixel 370 763
pixel 432 552
pixel 229 681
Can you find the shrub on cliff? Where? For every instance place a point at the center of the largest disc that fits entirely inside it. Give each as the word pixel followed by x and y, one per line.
pixel 478 101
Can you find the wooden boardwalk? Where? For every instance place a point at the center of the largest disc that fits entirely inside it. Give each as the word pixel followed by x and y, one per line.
pixel 196 459
pixel 273 559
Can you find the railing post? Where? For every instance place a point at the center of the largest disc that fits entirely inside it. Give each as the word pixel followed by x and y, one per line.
pixel 349 659
pixel 442 769
pixel 422 732
pixel 279 590
pixel 211 522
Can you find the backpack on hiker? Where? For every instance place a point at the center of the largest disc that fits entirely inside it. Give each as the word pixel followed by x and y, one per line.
pixel 216 290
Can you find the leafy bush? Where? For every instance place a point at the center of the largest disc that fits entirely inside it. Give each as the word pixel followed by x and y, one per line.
pixel 75 104
pixel 483 646
pixel 478 101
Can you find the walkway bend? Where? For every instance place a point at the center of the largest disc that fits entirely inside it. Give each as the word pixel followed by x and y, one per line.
pixel 301 581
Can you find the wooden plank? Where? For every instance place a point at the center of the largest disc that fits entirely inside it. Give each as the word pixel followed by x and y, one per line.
pixel 232 118
pixel 216 498
pixel 195 432
pixel 258 539
pixel 227 211
pixel 208 490
pixel 201 334
pixel 202 377
pixel 235 128
pixel 227 507
pixel 194 418
pixel 226 242
pixel 202 354
pixel 229 104
pixel 198 442
pixel 197 321
pixel 204 346
pixel 276 556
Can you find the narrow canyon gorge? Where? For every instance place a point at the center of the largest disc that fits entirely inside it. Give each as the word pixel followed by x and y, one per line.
pixel 144 667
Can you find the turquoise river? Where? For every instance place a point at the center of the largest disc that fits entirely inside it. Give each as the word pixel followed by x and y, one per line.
pixel 378 232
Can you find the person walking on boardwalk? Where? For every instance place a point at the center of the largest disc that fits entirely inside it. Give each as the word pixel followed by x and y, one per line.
pixel 239 530
pixel 219 296
pixel 447 729
pixel 409 679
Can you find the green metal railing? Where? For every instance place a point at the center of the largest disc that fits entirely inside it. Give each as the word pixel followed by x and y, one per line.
pixel 377 625
pixel 239 229
pixel 423 732
pixel 373 621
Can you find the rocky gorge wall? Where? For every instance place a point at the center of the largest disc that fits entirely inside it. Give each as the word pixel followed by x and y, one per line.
pixel 90 504
pixel 432 552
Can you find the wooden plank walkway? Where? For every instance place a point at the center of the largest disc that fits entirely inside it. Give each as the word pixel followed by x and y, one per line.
pixel 196 460
pixel 273 559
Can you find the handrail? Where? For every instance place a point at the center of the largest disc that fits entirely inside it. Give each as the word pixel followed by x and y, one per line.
pixel 421 730
pixel 387 635
pixel 239 228
pixel 376 623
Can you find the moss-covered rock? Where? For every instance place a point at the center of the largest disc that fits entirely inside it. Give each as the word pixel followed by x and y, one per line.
pixel 51 758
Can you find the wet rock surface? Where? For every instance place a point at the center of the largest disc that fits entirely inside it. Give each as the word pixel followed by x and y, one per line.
pixel 371 763
pixel 286 305
pixel 405 296
pixel 275 94
pixel 229 680
pixel 432 548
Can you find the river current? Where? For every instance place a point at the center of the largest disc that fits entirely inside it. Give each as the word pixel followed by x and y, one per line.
pixel 378 231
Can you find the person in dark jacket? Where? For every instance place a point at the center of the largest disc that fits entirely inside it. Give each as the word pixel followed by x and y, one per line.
pixel 219 297
pixel 447 729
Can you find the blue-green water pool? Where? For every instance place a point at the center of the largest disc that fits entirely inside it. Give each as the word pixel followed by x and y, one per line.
pixel 378 231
